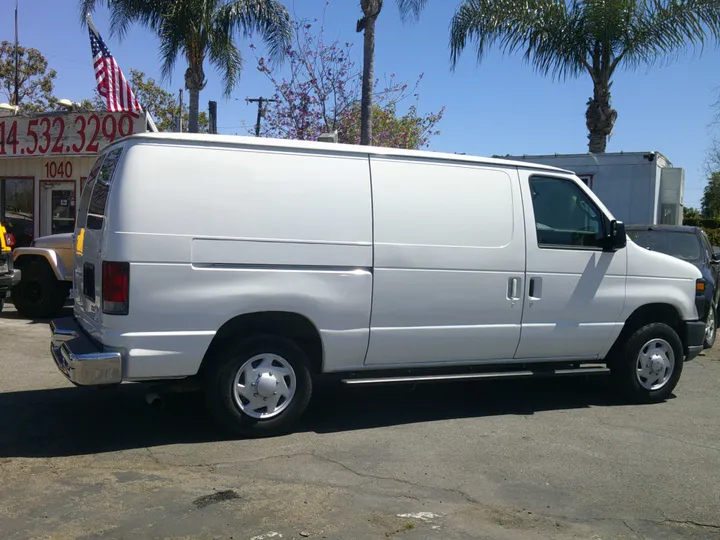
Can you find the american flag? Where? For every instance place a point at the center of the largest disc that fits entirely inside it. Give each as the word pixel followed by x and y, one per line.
pixel 111 83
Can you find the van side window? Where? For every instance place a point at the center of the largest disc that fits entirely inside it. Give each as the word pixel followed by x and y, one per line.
pixel 101 188
pixel 565 217
pixel 86 192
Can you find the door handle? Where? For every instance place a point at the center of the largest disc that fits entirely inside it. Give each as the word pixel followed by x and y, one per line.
pixel 535 289
pixel 513 288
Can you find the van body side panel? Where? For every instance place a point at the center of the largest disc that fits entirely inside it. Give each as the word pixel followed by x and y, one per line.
pixel 214 233
pixel 449 240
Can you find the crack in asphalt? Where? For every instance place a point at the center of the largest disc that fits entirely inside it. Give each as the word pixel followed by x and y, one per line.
pixel 456 491
pixel 468 498
pixel 710 526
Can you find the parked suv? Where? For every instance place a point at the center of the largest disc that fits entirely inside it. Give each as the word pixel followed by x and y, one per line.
pixel 689 244
pixel 256 267
pixel 8 275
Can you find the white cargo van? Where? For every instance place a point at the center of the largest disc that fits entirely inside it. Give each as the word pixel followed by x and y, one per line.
pixel 254 266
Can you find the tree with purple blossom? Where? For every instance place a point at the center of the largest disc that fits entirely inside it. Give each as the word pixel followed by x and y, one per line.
pixel 321 92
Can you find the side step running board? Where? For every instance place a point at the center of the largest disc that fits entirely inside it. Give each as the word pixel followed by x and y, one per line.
pixel 590 370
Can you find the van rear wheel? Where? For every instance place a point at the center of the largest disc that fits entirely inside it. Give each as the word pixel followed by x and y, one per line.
pixel 648 367
pixel 259 387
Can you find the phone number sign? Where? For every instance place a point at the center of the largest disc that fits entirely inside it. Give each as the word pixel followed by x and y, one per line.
pixel 66 134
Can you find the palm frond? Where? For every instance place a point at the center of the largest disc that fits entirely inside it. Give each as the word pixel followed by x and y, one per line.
pixel 663 29
pixel 550 32
pixel 148 13
pixel 269 18
pixel 411 8
pixel 170 47
pixel 227 58
pixel 87 7
pixel 124 13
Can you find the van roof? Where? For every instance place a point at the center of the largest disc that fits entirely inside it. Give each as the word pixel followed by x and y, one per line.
pixel 237 140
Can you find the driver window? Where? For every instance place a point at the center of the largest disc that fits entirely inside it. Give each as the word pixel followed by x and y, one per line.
pixel 564 216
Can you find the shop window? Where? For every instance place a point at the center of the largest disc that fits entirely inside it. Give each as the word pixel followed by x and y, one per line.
pixel 17 208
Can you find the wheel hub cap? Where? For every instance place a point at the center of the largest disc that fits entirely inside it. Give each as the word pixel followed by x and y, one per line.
pixel 655 364
pixel 264 386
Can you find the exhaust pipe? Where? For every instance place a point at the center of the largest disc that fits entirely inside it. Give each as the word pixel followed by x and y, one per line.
pixel 154 399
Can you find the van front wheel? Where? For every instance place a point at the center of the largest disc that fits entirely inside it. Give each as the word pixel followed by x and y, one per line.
pixel 260 386
pixel 649 365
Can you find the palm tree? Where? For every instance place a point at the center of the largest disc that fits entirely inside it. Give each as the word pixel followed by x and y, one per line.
pixel 200 30
pixel 371 10
pixel 571 38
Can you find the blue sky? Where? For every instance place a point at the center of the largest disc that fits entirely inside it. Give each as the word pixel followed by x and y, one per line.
pixel 499 107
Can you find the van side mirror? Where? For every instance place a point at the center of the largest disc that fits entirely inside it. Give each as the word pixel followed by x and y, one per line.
pixel 716 254
pixel 616 238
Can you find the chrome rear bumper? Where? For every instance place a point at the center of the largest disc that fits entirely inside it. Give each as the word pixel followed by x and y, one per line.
pixel 81 360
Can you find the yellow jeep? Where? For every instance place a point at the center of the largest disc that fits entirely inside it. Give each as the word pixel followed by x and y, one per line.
pixel 8 275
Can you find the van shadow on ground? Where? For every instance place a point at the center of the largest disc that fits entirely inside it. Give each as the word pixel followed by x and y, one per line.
pixel 77 421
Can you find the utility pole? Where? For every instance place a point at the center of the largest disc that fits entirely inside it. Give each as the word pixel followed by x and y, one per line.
pixel 212 114
pixel 180 111
pixel 261 110
pixel 17 58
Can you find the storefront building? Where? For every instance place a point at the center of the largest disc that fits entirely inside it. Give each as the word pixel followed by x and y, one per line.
pixel 44 162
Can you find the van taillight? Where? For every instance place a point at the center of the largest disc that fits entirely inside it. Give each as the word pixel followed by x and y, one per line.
pixel 115 287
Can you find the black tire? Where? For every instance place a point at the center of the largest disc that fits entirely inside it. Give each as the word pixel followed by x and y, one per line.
pixel 39 295
pixel 710 340
pixel 2 304
pixel 220 380
pixel 624 365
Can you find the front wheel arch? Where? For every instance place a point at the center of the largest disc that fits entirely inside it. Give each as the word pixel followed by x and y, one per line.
pixel 644 315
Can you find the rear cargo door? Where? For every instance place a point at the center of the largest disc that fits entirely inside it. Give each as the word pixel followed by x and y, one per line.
pixel 89 236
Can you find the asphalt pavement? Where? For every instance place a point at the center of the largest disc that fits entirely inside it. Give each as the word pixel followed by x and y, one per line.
pixel 547 459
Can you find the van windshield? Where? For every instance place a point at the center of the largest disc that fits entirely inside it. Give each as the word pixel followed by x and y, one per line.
pixel 681 245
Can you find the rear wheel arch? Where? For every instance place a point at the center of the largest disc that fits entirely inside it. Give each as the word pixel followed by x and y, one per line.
pixel 286 324
pixel 25 259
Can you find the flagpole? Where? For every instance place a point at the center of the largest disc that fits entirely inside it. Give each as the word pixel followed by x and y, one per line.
pixel 17 58
pixel 149 122
pixel 91 24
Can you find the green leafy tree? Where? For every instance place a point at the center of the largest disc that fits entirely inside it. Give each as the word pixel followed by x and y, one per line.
pixel 591 37
pixel 410 131
pixel 162 104
pixel 690 213
pixel 710 203
pixel 320 92
pixel 371 11
pixel 35 88
pixel 200 30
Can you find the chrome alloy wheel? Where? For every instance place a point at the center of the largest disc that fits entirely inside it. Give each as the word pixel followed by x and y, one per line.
pixel 655 364
pixel 264 386
pixel 710 326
